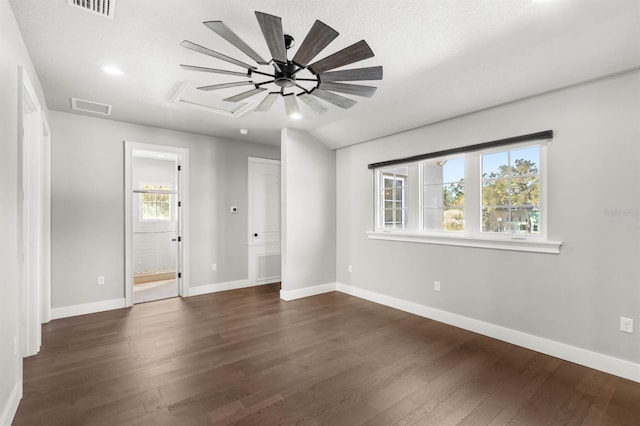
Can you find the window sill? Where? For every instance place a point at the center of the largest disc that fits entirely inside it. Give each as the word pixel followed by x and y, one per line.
pixel 513 244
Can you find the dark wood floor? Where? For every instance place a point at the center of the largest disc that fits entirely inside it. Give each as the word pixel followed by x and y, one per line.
pixel 245 357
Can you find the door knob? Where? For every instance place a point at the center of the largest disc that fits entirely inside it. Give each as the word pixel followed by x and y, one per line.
pixel 255 235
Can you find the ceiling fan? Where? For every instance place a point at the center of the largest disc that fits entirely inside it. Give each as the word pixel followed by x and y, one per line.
pixel 287 80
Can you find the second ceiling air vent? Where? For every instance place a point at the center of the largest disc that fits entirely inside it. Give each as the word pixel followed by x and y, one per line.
pixel 100 7
pixel 90 106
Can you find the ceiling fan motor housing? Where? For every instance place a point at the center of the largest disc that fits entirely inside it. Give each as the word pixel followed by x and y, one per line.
pixel 286 78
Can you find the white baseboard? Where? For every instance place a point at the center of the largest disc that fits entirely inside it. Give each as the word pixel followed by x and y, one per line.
pixel 598 361
pixel 230 285
pixel 299 293
pixel 87 308
pixel 11 406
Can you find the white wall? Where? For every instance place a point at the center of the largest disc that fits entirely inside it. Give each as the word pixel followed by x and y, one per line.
pixel 575 297
pixel 88 204
pixel 13 54
pixel 308 211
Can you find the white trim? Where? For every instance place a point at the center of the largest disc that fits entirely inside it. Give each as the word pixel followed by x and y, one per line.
pixel 606 363
pixel 299 293
pixel 87 308
pixel 512 243
pixel 229 285
pixel 182 156
pixel 11 407
pixel 46 221
pixel 30 187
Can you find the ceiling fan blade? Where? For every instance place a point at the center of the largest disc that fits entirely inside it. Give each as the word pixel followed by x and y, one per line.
pixel 225 85
pixel 214 54
pixel 332 98
pixel 357 74
pixel 267 102
pixel 291 106
pixel 213 70
pixel 354 53
pixel 312 102
pixel 319 37
pixel 244 95
pixel 225 32
pixel 350 89
pixel 271 27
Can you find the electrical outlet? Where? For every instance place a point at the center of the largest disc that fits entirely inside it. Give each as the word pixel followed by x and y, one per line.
pixel 626 325
pixel 101 280
pixel 350 268
pixel 214 267
pixel 436 286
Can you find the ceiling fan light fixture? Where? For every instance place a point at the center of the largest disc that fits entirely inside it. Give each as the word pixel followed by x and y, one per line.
pixel 291 107
pixel 285 77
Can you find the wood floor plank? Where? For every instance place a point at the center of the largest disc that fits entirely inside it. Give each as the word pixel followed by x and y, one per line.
pixel 245 357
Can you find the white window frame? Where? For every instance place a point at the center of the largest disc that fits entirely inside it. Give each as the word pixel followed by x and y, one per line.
pixel 542 173
pixel 472 235
pixel 408 220
pixel 403 202
pixel 421 195
pixel 170 191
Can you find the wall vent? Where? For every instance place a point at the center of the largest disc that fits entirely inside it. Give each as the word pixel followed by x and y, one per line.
pixel 268 266
pixel 186 94
pixel 89 106
pixel 100 7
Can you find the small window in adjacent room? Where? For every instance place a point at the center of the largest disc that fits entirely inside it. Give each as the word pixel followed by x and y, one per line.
pixel 392 196
pixel 443 194
pixel 511 191
pixel 155 206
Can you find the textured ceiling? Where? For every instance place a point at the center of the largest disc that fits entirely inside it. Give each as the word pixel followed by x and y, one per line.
pixel 441 58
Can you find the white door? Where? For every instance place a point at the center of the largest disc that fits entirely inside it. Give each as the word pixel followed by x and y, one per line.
pixel 264 220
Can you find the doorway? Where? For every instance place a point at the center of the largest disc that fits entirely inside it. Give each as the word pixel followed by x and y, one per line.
pixel 155 222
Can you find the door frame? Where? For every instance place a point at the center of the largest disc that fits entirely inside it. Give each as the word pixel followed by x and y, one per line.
pixel 183 225
pixel 46 222
pixel 256 249
pixel 34 203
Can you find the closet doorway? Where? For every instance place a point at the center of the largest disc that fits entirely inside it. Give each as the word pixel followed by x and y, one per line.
pixel 155 228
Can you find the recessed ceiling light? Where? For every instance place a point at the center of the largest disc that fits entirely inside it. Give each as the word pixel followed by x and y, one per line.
pixel 244 131
pixel 112 70
pixel 296 116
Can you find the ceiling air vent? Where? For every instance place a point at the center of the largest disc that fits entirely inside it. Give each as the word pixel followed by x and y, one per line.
pixel 88 106
pixel 100 7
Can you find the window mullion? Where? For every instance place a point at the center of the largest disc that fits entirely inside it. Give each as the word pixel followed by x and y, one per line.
pixel 472 193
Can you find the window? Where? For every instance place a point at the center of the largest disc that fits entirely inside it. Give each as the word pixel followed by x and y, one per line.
pixel 511 191
pixel 392 196
pixel 155 205
pixel 489 197
pixel 443 194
